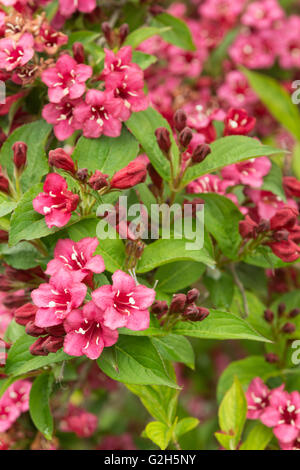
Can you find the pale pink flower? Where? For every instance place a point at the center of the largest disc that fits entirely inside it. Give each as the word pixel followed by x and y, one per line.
pixel 250 172
pixel 222 10
pixel 125 303
pixel 236 91
pixel 18 394
pixel 56 203
pixel 66 79
pixel 15 54
pixel 283 414
pixel 100 114
pixel 254 51
pixel 257 398
pixel 86 333
pixel 262 14
pixel 76 257
pixel 79 421
pixel 57 299
pixel 289 43
pixel 68 7
pixel 9 413
pixel 61 116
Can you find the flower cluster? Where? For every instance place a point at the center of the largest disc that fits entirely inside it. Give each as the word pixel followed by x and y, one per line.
pixel 61 316
pixel 14 402
pixel 276 409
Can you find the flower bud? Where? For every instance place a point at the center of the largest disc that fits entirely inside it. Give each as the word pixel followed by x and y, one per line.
pixel 98 180
pixel 78 52
pixel 20 154
pixel 163 139
pixel 61 159
pixel 155 177
pixel 288 328
pixel 200 153
pixel 33 330
pixel 82 174
pixel 3 236
pixel 284 218
pixel 269 316
pixel 56 331
pixel 180 120
pixel 156 9
pixel 281 235
pixel 25 314
pixel 196 315
pixel 6 285
pixel 271 358
pixel 192 296
pixel 133 174
pixel 185 137
pixel 13 301
pixel 294 313
pixel 159 307
pixel 178 303
pixel 4 183
pixel 52 344
pixel 139 249
pixel 281 309
pixel 123 32
pixel 247 227
pixel 263 226
pixel 37 348
pixel 107 31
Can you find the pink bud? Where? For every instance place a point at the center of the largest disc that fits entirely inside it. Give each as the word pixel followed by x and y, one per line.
pixel 133 174
pixel 61 159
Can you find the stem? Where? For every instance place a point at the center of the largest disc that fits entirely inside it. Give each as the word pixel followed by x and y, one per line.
pixel 241 288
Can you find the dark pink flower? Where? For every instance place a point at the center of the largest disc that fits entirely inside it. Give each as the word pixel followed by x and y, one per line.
pixel 238 122
pixel 49 40
pixel 262 14
pixel 250 172
pixel 57 299
pixel 67 79
pixel 15 54
pixel 56 203
pixel 61 116
pixel 68 7
pixel 257 398
pixel 283 414
pixel 293 445
pixel 76 257
pixel 125 303
pixel 119 62
pixel 100 114
pixel 8 413
pixel 86 333
pixel 18 394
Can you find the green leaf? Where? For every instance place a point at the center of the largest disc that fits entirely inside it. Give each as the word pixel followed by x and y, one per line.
pixel 175 348
pixel 135 38
pixel 106 154
pixel 185 425
pixel 35 136
pixel 6 208
pixel 113 253
pixel 20 361
pixel 84 37
pixel 273 182
pixel 176 276
pixel 21 256
pixel 158 433
pixel 258 438
pixel 135 360
pixel 143 60
pixel 39 408
pixel 13 332
pixel 221 290
pixel 226 151
pixel 246 370
pixel 159 401
pixel 219 325
pixel 277 100
pixel 165 251
pixel 233 412
pixel 26 223
pixel 178 34
pixel 143 126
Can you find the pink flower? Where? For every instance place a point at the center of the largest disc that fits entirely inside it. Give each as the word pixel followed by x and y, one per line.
pixel 289 43
pixel 9 413
pixel 119 62
pixel 257 398
pixel 49 40
pixel 249 173
pixel 61 116
pixel 293 445
pixel 56 203
pixel 238 122
pixel 77 258
pixel 79 421
pixel 129 87
pixel 267 203
pixel 222 10
pixel 66 79
pixel 254 51
pixel 86 333
pixel 283 414
pixel 236 91
pixel 68 7
pixel 15 54
pixel 262 14
pixel 125 303
pixel 57 299
pixel 100 114
pixel 208 184
pixel 18 394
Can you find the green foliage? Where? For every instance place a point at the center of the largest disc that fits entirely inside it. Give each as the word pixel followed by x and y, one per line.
pixel 39 404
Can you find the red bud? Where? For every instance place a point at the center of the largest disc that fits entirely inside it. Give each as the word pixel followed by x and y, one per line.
pixel 180 120
pixel 78 52
pixel 61 159
pixel 123 32
pixel 200 153
pixel 185 137
pixel 269 316
pixel 163 139
pixel 20 154
pixel 178 303
pixel 288 328
pixel 133 174
pixel 25 314
pixel 98 180
pixel 192 296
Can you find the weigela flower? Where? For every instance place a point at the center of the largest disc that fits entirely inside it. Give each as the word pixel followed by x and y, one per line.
pixel 18 394
pixel 257 397
pixel 68 7
pixel 254 51
pixel 267 203
pixel 238 122
pixel 226 10
pixel 100 114
pixel 262 14
pixel 76 257
pixel 56 203
pixel 289 43
pixel 86 333
pixel 125 303
pixel 66 79
pixel 57 299
pixel 8 413
pixel 250 172
pixel 49 40
pixel 119 62
pixel 236 91
pixel 79 421
pixel 293 445
pixel 61 116
pixel 15 54
pixel 208 184
pixel 283 414
pixel 291 186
